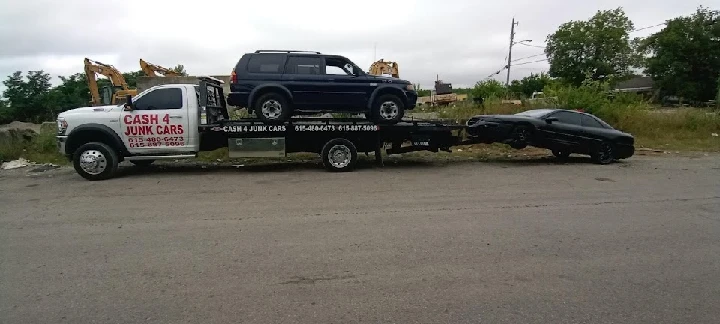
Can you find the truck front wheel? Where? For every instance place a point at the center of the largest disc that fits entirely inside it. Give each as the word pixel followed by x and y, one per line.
pixel 339 155
pixel 95 161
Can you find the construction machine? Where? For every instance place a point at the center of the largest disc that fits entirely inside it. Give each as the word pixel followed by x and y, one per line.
pixel 111 95
pixel 152 70
pixel 382 67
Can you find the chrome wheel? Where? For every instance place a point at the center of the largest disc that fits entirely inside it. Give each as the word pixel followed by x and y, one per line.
pixel 271 109
pixel 339 156
pixel 93 162
pixel 389 110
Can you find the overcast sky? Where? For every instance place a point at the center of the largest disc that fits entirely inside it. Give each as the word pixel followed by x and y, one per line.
pixel 463 41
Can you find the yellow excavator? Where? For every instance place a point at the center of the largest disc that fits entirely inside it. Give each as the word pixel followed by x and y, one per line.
pixel 385 67
pixel 152 70
pixel 112 95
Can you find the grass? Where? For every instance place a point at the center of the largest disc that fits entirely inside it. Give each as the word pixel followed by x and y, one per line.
pixel 683 129
pixel 41 148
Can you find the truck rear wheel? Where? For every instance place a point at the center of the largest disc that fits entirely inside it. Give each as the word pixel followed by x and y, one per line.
pixel 339 155
pixel 95 161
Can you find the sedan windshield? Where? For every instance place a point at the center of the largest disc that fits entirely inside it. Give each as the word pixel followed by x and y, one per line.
pixel 535 113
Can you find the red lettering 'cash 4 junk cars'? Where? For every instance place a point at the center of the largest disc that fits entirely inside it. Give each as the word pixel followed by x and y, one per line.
pixel 564 132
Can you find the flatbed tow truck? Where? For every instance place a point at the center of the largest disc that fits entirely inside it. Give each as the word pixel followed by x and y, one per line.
pixel 175 121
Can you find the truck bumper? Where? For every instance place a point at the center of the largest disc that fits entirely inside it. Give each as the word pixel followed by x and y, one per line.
pixel 61 140
pixel 238 99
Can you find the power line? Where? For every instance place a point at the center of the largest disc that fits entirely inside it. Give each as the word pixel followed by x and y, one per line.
pixel 498 71
pixel 527 57
pixel 648 27
pixel 531 62
pixel 524 44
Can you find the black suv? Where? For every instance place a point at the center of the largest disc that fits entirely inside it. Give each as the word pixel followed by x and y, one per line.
pixel 278 84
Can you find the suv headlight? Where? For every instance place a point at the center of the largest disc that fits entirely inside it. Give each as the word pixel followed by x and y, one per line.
pixel 410 87
pixel 61 125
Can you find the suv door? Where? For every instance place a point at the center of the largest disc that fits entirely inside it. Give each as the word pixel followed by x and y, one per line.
pixel 566 131
pixel 159 122
pixel 346 88
pixel 304 78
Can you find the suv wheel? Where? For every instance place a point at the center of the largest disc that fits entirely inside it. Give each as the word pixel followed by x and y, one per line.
pixel 388 109
pixel 272 107
pixel 339 155
pixel 95 161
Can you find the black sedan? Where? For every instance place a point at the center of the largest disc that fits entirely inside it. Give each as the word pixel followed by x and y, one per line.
pixel 561 131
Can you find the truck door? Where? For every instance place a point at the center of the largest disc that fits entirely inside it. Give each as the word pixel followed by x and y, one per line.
pixel 158 122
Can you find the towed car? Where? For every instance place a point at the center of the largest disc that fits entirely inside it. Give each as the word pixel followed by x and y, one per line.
pixel 562 131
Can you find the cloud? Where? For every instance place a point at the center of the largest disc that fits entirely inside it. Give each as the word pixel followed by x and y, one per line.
pixel 462 41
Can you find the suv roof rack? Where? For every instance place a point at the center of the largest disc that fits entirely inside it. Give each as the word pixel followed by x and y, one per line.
pixel 285 51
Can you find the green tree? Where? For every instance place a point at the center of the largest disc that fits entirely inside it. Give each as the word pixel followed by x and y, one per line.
pixel 180 69
pixel 72 93
pixel 529 84
pixel 27 97
pixel 488 88
pixel 684 57
pixel 131 78
pixel 599 46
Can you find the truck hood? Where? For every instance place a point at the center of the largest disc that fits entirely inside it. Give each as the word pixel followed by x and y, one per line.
pixel 87 110
pixel 387 79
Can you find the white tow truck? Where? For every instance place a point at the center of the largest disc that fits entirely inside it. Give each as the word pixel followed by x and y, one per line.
pixel 176 121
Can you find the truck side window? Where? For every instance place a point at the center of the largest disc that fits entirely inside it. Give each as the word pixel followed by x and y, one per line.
pixel 303 65
pixel 160 99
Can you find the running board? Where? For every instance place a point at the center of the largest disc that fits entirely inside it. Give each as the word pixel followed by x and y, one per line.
pixel 159 157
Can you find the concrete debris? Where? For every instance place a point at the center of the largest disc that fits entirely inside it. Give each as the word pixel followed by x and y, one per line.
pixel 714 134
pixel 16 164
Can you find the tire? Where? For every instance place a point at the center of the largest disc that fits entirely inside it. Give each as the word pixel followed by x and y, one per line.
pixel 142 163
pixel 95 161
pixel 388 109
pixel 561 154
pixel 272 107
pixel 520 137
pixel 339 155
pixel 604 153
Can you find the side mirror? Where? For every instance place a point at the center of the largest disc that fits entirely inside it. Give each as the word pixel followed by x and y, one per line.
pixel 550 120
pixel 128 103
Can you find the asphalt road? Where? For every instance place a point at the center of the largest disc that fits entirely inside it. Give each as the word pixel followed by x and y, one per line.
pixel 510 242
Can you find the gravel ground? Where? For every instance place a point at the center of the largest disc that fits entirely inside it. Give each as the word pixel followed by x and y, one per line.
pixel 530 241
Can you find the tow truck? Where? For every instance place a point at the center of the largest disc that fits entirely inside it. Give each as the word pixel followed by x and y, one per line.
pixel 177 121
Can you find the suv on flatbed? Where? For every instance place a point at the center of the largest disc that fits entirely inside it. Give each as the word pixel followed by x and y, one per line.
pixel 278 84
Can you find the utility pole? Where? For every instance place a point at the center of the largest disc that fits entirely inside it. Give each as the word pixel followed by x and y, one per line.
pixel 512 40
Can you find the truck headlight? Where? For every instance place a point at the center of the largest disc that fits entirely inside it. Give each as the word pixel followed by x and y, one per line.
pixel 61 125
pixel 410 87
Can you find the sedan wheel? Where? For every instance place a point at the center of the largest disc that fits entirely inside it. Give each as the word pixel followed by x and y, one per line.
pixel 604 153
pixel 520 137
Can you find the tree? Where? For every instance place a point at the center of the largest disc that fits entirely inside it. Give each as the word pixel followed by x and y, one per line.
pixel 73 92
pixel 529 84
pixel 684 57
pixel 599 47
pixel 180 69
pixel 27 96
pixel 131 78
pixel 488 88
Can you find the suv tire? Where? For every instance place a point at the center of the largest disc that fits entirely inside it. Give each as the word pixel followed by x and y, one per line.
pixel 272 107
pixel 95 161
pixel 339 155
pixel 388 109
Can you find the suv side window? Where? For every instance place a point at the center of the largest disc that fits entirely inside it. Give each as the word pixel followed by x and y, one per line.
pixel 303 65
pixel 265 63
pixel 567 117
pixel 337 66
pixel 588 121
pixel 160 99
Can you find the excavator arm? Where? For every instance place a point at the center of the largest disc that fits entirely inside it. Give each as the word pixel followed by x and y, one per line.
pixel 116 78
pixel 151 70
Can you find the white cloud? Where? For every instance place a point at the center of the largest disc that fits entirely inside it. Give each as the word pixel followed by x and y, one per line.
pixel 463 41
